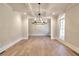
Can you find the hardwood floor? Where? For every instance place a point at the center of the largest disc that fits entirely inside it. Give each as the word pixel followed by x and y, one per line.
pixel 38 46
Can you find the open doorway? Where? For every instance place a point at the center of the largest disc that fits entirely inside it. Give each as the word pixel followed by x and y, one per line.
pixel 43 30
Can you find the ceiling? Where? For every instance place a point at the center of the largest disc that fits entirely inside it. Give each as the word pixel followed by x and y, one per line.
pixel 46 9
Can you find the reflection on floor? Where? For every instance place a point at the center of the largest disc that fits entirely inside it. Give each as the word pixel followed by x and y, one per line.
pixel 38 46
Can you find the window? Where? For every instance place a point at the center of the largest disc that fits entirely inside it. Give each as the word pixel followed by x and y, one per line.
pixel 62 26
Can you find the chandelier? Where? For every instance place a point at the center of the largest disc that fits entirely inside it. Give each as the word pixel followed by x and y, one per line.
pixel 40 19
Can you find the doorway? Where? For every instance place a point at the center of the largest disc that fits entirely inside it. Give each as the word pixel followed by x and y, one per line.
pixel 43 30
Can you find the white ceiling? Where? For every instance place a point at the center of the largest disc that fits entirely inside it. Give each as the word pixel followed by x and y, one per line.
pixel 47 9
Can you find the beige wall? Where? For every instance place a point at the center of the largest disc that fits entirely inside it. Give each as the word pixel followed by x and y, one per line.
pixel 72 26
pixel 10 25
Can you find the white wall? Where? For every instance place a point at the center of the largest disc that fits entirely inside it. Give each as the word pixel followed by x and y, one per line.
pixel 10 25
pixel 72 26
pixel 54 28
pixel 25 27
pixel 39 30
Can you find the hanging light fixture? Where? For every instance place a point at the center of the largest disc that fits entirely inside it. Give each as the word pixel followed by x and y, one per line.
pixel 41 21
pixel 39 10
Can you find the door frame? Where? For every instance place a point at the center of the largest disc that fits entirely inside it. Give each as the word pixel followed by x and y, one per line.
pixel 49 27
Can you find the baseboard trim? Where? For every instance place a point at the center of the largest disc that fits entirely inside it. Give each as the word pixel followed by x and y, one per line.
pixel 72 47
pixel 39 35
pixel 9 45
pixel 52 38
pixel 25 38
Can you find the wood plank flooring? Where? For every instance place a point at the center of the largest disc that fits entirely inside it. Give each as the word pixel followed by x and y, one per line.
pixel 38 46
